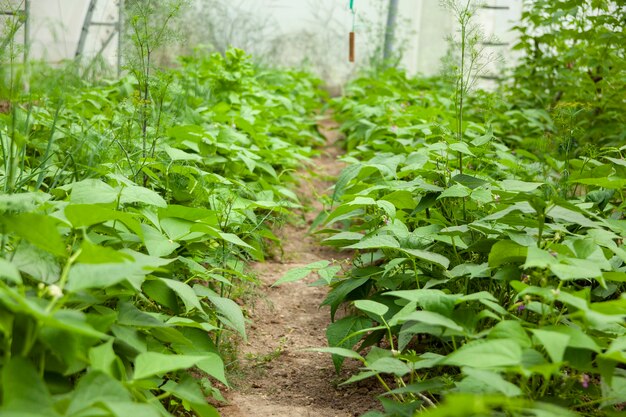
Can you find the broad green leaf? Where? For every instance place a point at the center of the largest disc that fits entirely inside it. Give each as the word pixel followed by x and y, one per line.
pixel 102 358
pixel 428 317
pixel 338 334
pixel 606 182
pixel 435 258
pixel 614 276
pixel 519 186
pixel 429 299
pixel 189 391
pixel 234 239
pixel 23 390
pixel 376 242
pixel 9 272
pixel 302 272
pixel 91 191
pixel 389 366
pixel 96 387
pixel 494 353
pixel 156 243
pixel 461 147
pixel 468 181
pixel 125 409
pixel 373 307
pixel 212 364
pixel 571 216
pixel 539 258
pixel 85 215
pixel 149 364
pixel 554 343
pixel 95 254
pixel 185 293
pixel 230 314
pixel 455 191
pixel 347 175
pixel 512 330
pixel 494 381
pixel 506 251
pixel 577 338
pixel 45 235
pixel 137 194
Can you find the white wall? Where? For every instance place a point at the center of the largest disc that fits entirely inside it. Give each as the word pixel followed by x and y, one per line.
pixel 316 31
pixel 288 32
pixel 55 28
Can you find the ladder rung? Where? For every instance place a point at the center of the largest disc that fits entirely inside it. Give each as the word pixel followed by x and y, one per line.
pixel 103 24
pixel 13 13
pixel 495 43
pixel 486 6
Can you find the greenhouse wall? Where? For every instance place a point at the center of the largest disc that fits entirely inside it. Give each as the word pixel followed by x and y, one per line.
pixel 286 32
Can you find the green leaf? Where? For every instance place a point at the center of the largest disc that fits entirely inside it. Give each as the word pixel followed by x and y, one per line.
pixel 86 215
pixel 512 330
pixel 609 276
pixel 428 317
pixel 10 272
pixel 455 191
pixel 185 293
pixel 230 314
pixel 102 358
pixel 156 243
pixel 461 147
pixel 149 364
pixel 299 273
pixel 347 175
pixel 137 194
pixel 91 191
pixel 435 258
pixel 493 353
pixel 494 381
pixel 23 390
pixel 616 183
pixel 553 342
pixel 506 251
pixel 519 186
pixel 468 181
pixel 45 235
pixel 213 365
pixel 96 387
pixel 338 334
pixel 376 242
pixel 373 307
pixel 562 213
pixel 234 239
pixel 389 366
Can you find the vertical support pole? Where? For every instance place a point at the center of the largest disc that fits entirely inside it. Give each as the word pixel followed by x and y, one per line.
pixel 351 54
pixel 85 30
pixel 390 29
pixel 120 32
pixel 26 53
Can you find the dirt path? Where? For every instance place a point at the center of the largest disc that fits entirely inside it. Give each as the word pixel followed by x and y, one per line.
pixel 279 378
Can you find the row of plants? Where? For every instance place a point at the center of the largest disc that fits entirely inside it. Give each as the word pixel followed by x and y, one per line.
pixel 483 285
pixel 488 269
pixel 126 219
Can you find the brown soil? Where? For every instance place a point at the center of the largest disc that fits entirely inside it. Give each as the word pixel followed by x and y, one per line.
pixel 279 377
pixel 5 106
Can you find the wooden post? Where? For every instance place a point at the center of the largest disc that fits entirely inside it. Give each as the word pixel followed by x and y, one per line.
pixel 351 55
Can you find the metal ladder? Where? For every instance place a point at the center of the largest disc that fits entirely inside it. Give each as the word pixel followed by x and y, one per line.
pixel 23 19
pixel 88 23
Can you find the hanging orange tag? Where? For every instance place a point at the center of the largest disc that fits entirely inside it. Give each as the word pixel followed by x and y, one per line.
pixel 351 55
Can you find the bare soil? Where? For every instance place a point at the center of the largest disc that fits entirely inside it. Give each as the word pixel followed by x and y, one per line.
pixel 277 376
